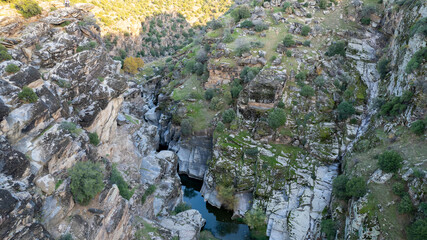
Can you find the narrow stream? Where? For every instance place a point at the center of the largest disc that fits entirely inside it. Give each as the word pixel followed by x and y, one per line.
pixel 218 221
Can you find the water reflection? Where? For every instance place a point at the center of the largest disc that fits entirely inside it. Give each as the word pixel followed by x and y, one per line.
pixel 218 221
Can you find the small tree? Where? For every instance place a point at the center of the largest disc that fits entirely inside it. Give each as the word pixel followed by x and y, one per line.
pixel 383 67
pixel 356 187
pixel 390 161
pixel 399 189
pixel 307 91
pixel 418 230
pixel 418 127
pixel 329 228
pixel 28 95
pixel 4 55
pixel 276 118
pixel 405 205
pixel 228 116
pixel 339 186
pixel 209 94
pixel 122 185
pixel 86 181
pixel 345 110
pixel 305 30
pixel 131 65
pixel 336 48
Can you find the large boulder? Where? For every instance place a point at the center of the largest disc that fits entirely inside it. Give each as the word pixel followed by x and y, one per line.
pixel 46 184
pixel 187 224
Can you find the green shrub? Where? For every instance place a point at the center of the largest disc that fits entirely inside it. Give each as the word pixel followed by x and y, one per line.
pixel 397 105
pixel 216 104
pixel 307 91
pixel 228 116
pixel 255 219
pixel 241 13
pixel 420 27
pixel 150 190
pixel 276 118
pixel 235 91
pixel 336 48
pixel 28 8
pixel 301 76
pixel 94 139
pixel 418 230
pixel 417 60
pixel 285 6
pixel 383 67
pixel 329 228
pixel 365 20
pixel 288 53
pixel 322 4
pixel 186 127
pixel 247 24
pixel 281 105
pixel 261 27
pixel 288 41
pixel 242 47
pixel 249 73
pixel 345 110
pixel 339 186
pixel 306 43
pixel 356 187
pixel 228 37
pixel 181 207
pixel 226 195
pixel 399 189
pixel 4 55
pixel 122 185
pixel 418 173
pixel 28 95
pixel 209 94
pixel 305 30
pixel 220 127
pixel 390 161
pixel 90 45
pixel 418 127
pixel 12 68
pixel 319 81
pixel 71 128
pixel 86 181
pixel 308 15
pixel 405 205
pixel 67 236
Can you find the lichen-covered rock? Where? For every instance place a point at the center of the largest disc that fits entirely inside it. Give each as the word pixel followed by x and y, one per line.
pixel 187 224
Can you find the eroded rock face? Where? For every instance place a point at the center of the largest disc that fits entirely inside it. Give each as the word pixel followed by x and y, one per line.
pixel 193 155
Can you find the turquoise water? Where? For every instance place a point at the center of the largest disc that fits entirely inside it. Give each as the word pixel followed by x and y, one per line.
pixel 218 221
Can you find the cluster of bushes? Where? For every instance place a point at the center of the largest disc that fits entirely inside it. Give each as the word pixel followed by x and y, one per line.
pixel 396 105
pixel 366 12
pixel 286 6
pixel 116 178
pixel 28 8
pixel 417 60
pixel 261 27
pixel 228 37
pixel 86 181
pixel 226 196
pixel 249 73
pixel 90 45
pixel 242 47
pixel 390 161
pixel 4 55
pixel 344 187
pixel 28 95
pixel 336 48
pixel 131 64
pixel 236 88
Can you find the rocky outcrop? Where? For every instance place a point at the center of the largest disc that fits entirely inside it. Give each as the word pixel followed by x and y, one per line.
pixel 193 155
pixel 186 224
